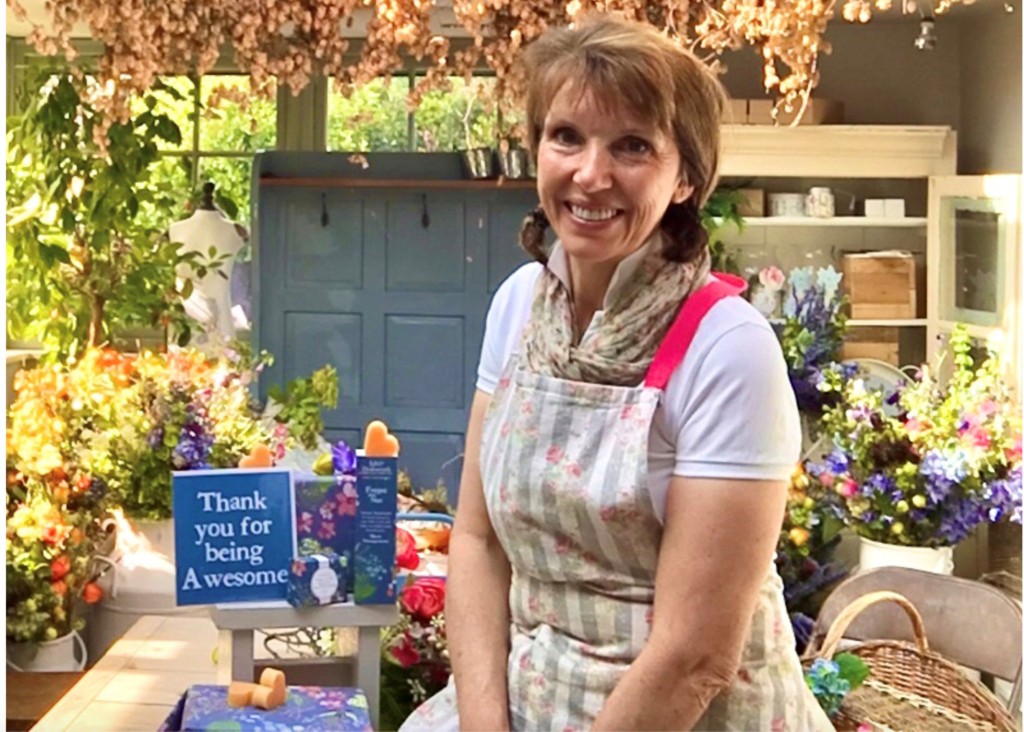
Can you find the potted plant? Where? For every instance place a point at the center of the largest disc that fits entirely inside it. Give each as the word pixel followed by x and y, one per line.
pixel 917 470
pixel 53 530
pixel 87 255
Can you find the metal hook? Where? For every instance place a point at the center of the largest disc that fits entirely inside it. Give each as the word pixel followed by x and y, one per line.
pixel 425 219
pixel 324 218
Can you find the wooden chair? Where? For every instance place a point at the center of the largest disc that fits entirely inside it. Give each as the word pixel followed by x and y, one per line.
pixel 968 622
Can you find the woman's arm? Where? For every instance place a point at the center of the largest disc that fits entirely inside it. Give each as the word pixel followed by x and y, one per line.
pixel 476 606
pixel 719 539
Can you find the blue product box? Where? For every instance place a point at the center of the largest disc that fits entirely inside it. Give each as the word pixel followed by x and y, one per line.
pixel 319 579
pixel 331 709
pixel 326 511
pixel 374 566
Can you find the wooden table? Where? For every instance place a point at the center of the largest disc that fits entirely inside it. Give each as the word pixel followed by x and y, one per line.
pixel 238 621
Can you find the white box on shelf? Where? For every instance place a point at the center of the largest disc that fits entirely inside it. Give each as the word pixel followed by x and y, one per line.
pixel 895 208
pixel 874 208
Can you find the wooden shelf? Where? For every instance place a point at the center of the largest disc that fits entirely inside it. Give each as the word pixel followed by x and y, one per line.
pixel 910 222
pixel 455 184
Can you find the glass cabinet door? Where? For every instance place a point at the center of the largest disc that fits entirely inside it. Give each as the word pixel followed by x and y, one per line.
pixel 972 258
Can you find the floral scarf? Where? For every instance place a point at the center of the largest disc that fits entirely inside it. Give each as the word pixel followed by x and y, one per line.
pixel 620 348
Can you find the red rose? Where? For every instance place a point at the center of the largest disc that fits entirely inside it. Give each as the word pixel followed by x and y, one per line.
pixel 92 593
pixel 405 653
pixel 60 587
pixel 424 597
pixel 405 550
pixel 60 567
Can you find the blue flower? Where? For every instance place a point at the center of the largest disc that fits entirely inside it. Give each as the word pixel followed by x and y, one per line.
pixel 838 462
pixel 193 449
pixel 343 458
pixel 1004 497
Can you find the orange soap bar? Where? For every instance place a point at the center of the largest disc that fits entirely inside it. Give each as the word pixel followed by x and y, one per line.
pixel 378 442
pixel 267 697
pixel 260 457
pixel 240 693
pixel 272 678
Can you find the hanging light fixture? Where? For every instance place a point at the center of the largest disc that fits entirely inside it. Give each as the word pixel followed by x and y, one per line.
pixel 926 39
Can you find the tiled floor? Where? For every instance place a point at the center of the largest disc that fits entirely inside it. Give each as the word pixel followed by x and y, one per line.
pixel 136 684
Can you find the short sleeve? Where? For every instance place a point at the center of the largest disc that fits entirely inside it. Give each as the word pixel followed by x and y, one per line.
pixel 739 418
pixel 506 318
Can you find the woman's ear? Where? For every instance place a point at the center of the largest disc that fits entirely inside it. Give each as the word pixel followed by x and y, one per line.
pixel 681 193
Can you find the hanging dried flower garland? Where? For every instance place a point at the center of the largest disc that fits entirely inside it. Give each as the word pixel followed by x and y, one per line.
pixel 289 41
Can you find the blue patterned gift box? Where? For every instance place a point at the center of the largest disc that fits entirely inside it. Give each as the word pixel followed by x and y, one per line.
pixel 319 579
pixel 330 709
pixel 326 510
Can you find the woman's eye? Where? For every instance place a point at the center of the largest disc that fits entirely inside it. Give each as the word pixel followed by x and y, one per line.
pixel 636 146
pixel 565 136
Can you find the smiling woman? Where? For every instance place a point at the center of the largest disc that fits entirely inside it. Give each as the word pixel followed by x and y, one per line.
pixel 633 417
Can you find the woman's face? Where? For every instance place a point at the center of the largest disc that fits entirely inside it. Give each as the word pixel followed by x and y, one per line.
pixel 604 178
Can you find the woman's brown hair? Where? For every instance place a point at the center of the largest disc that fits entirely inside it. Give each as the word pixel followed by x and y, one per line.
pixel 632 64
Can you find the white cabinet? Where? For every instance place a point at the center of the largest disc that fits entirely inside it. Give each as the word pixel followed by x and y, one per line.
pixel 858 162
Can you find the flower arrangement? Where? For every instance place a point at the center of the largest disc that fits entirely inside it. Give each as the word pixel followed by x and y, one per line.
pixel 52 529
pixel 804 555
pixel 131 420
pixel 416 662
pixel 925 465
pixel 812 336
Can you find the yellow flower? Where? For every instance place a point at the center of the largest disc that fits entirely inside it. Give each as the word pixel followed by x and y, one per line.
pixel 799 536
pixel 897 528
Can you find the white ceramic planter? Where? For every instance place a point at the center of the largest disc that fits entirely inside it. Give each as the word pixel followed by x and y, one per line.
pixel 876 554
pixel 55 655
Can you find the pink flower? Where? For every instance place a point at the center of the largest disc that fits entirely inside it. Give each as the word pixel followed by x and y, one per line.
pixel 988 408
pixel 977 437
pixel 555 454
pixel 298 568
pixel 847 489
pixel 771 278
pixel 827 479
pixel 326 510
pixel 574 470
pixel 348 501
pixel 913 426
pixel 326 530
pixel 1013 453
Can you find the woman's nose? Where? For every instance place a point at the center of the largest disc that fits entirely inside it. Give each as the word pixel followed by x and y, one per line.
pixel 594 171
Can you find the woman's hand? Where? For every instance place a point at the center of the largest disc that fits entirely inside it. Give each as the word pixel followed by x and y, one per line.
pixel 720 536
pixel 476 608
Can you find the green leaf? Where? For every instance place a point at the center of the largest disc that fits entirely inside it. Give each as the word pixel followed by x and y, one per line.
pixel 852 668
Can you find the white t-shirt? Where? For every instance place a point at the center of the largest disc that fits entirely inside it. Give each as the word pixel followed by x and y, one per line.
pixel 728 410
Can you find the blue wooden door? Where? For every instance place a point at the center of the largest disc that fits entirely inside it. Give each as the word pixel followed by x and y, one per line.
pixel 393 291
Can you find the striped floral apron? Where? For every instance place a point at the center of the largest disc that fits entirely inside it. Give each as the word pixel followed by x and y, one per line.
pixel 564 468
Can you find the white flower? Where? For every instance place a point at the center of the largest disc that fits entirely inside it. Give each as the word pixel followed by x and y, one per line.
pixel 771 278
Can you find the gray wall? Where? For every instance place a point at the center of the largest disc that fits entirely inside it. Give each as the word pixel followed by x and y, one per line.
pixel 990 94
pixel 971 81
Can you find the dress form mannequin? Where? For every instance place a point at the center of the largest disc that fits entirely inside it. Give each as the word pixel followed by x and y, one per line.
pixel 210 301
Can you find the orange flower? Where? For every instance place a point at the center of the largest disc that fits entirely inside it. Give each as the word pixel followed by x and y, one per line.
pixel 60 567
pixel 60 587
pixel 92 593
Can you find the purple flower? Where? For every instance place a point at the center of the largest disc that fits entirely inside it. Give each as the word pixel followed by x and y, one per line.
pixel 942 473
pixel 838 462
pixel 193 449
pixel 343 457
pixel 155 438
pixel 878 483
pixel 1004 497
pixel 960 517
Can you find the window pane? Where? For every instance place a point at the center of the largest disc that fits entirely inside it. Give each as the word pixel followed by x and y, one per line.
pixel 171 177
pixel 227 128
pixel 373 119
pixel 177 101
pixel 231 178
pixel 457 119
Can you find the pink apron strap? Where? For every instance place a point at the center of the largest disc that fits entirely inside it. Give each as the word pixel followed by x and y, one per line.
pixel 672 350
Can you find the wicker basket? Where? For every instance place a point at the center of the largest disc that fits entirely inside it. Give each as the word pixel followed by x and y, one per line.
pixel 910 689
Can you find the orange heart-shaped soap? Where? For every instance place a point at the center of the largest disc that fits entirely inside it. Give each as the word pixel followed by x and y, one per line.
pixel 260 457
pixel 377 442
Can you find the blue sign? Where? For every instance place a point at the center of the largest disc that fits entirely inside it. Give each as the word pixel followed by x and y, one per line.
pixel 234 535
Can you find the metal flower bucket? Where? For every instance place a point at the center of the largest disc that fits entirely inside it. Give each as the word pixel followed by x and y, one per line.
pixel 479 163
pixel 514 163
